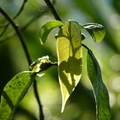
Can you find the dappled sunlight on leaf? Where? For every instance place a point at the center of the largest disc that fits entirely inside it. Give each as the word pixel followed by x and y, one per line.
pixel 69 58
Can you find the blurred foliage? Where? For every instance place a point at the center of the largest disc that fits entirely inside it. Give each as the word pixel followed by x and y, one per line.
pixel 81 104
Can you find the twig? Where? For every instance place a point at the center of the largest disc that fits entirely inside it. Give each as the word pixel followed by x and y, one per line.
pixel 38 100
pixel 27 24
pixel 20 10
pixel 7 24
pixel 54 12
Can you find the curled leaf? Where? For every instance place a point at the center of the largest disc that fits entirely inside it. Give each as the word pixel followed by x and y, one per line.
pixel 45 30
pixel 69 58
pixel 97 31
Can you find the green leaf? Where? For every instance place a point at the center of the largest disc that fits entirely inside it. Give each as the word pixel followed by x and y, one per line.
pixel 99 89
pixel 13 93
pixel 97 31
pixel 45 30
pixel 69 58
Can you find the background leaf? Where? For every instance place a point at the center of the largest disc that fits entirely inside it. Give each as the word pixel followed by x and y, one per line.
pixel 99 89
pixel 69 58
pixel 97 31
pixel 45 30
pixel 13 93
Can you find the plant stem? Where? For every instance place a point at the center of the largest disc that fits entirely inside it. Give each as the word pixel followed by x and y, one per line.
pixel 54 12
pixel 38 100
pixel 20 10
pixel 7 24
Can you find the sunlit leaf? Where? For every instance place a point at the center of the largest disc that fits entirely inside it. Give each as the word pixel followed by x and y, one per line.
pixel 99 89
pixel 45 30
pixel 40 64
pixel 97 31
pixel 69 58
pixel 13 93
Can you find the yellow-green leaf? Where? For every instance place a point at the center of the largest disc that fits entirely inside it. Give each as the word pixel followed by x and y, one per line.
pixel 69 58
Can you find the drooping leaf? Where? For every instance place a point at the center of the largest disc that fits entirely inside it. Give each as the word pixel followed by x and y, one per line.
pixel 99 89
pixel 13 93
pixel 69 58
pixel 45 30
pixel 97 31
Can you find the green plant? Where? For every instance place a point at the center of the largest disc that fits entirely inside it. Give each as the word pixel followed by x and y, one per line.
pixel 69 53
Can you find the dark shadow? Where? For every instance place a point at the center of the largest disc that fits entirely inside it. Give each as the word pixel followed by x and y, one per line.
pixel 71 69
pixel 8 100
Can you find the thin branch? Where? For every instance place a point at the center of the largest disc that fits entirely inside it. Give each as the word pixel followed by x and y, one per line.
pixel 7 24
pixel 40 14
pixel 38 100
pixel 54 12
pixel 16 28
pixel 20 10
pixel 26 25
